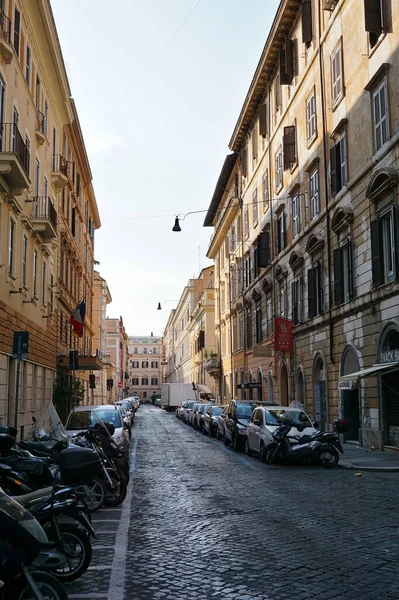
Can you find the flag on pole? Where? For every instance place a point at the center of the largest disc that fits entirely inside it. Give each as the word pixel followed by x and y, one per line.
pixel 77 319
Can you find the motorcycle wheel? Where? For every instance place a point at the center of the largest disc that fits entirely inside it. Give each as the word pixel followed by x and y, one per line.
pixel 115 496
pixel 329 457
pixel 77 548
pixel 94 494
pixel 267 453
pixel 49 586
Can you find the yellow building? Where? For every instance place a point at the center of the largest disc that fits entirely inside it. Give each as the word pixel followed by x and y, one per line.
pixel 316 144
pixel 101 298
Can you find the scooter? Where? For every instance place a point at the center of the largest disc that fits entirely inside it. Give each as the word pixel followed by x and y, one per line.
pixel 24 552
pixel 282 450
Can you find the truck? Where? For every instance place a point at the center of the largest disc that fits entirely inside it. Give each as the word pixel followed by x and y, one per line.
pixel 173 394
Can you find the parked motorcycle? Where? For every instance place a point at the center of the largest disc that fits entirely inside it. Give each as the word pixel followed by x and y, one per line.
pixel 282 450
pixel 24 552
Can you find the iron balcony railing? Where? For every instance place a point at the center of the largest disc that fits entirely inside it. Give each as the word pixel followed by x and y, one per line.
pixel 60 164
pixel 11 141
pixel 5 27
pixel 43 208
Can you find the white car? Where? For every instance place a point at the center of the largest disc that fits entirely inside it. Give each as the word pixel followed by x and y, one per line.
pixel 266 419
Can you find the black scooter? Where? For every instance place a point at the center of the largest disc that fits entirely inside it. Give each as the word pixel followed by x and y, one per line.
pixel 282 450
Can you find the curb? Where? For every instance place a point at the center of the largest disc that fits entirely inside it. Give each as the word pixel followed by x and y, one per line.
pixel 352 466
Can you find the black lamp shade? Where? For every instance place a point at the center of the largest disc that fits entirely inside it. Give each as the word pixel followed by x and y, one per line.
pixel 176 226
pixel 159 306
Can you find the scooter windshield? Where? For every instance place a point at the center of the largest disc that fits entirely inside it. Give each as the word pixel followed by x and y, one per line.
pixel 10 508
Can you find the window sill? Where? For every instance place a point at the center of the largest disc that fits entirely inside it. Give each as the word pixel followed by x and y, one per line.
pixel 311 141
pixel 338 101
pixel 377 45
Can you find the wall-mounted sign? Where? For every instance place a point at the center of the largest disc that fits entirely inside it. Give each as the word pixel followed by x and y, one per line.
pixel 388 356
pixel 283 334
pixel 262 351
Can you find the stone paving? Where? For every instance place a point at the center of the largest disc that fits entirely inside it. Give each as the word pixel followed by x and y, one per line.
pixel 202 522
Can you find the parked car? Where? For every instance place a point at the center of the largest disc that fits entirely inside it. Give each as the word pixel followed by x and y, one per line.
pixel 180 410
pixel 83 417
pixel 210 419
pixel 186 416
pixel 194 414
pixel 200 416
pixel 221 423
pixel 128 417
pixel 239 414
pixel 136 402
pixel 265 420
pixel 129 406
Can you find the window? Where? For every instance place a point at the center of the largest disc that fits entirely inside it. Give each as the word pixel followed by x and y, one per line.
pixel 281 235
pixel 311 117
pixel 289 147
pixel 27 65
pixel 11 243
pixel 314 193
pixel 154 380
pixel 44 207
pixel 297 300
pixel 315 291
pixel 247 271
pixel 343 288
pixel 235 347
pixel 265 191
pixel 34 275
pixel 144 364
pixel 135 351
pixel 241 330
pixel 269 315
pixel 27 162
pixel 380 115
pixel 248 318
pixel 37 97
pixel 306 21
pixel 377 15
pixel 255 208
pixel 45 117
pixel 51 301
pixel 24 260
pixel 283 304
pixel 277 95
pixel 383 247
pixel 145 351
pixel 44 282
pixel 154 364
pixel 338 164
pixel 36 189
pixel 336 74
pixel 15 120
pixel 135 381
pixel 296 215
pixel 144 381
pixel 246 223
pixel 17 28
pixel 287 62
pixel 279 169
pixel 258 321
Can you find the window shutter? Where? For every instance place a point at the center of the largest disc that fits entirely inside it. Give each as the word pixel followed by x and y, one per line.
pixel 350 270
pixel 294 300
pixel 244 162
pixel 284 78
pixel 311 296
pixel 289 57
pixel 372 16
pixel 376 252
pixel 289 147
pixel 284 231
pixel 263 120
pixel 333 171
pixel 263 249
pixel 320 291
pixel 201 340
pixel 306 21
pixel 337 277
pixel 255 142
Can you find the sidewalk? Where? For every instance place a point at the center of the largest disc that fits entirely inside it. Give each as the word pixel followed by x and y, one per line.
pixel 364 459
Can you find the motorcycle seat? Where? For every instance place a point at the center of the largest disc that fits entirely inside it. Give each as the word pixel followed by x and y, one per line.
pixel 37 447
pixel 26 498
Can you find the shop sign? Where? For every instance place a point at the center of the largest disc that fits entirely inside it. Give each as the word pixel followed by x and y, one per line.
pixel 389 356
pixel 351 384
pixel 283 337
pixel 262 351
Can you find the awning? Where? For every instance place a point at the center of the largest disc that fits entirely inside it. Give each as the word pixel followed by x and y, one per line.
pixel 370 371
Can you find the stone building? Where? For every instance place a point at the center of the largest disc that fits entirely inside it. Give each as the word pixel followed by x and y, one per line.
pixel 316 150
pixel 116 355
pixel 145 365
pixel 45 198
pixel 101 299
pixel 177 338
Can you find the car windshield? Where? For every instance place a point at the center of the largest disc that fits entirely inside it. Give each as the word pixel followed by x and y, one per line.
pixel 245 410
pixel 216 410
pixel 291 417
pixel 190 404
pixel 82 419
pixel 109 415
pixel 205 407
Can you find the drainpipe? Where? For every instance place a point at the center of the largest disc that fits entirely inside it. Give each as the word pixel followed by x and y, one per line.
pixel 326 188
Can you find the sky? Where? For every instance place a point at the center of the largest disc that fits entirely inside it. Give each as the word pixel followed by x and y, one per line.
pixel 158 86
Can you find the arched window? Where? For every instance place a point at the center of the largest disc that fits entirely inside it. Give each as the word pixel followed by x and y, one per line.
pixel 154 380
pixel 144 364
pixel 154 364
pixel 144 381
pixel 135 381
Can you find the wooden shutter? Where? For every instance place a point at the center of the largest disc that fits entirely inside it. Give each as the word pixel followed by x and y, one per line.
pixel 337 277
pixel 244 162
pixel 294 300
pixel 289 147
pixel 284 230
pixel 236 188
pixel 201 340
pixel 311 296
pixel 264 249
pixel 320 290
pixel 350 270
pixel 284 78
pixel 255 142
pixel 306 21
pixel 372 16
pixel 333 171
pixel 376 263
pixel 289 58
pixel 263 120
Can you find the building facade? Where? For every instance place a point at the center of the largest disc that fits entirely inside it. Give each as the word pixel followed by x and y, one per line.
pixel 145 365
pixel 116 353
pixel 101 299
pixel 316 144
pixel 178 336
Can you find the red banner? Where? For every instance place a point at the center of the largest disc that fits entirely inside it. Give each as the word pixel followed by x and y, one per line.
pixel 283 334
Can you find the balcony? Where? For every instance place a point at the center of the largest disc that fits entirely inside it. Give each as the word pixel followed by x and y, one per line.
pixel 14 159
pixel 59 173
pixel 6 49
pixel 44 218
pixel 85 363
pixel 41 128
pixel 212 366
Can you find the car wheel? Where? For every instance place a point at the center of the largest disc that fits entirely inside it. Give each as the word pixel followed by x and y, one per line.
pixel 218 436
pixel 236 444
pixel 262 453
pixel 226 441
pixel 248 450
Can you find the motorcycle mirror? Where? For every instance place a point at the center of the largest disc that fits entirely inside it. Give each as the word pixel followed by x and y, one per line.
pixel 111 427
pixel 316 425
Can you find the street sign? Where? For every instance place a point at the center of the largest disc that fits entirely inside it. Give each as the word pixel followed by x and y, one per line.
pixel 120 384
pixel 20 344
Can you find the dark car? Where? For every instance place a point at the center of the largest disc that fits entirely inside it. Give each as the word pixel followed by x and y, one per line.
pixel 186 415
pixel 235 428
pixel 221 423
pixel 194 414
pixel 199 424
pixel 210 419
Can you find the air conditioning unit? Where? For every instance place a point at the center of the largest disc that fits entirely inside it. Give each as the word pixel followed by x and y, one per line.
pixel 329 4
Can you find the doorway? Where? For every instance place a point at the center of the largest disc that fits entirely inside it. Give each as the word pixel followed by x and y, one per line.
pixel 284 386
pixel 320 395
pixel 350 398
pixel 390 390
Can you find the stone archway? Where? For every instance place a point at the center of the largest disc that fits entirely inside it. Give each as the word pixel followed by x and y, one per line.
pixel 350 398
pixel 389 387
pixel 284 385
pixel 270 388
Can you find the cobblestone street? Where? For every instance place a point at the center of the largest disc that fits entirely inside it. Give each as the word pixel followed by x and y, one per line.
pixel 201 521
